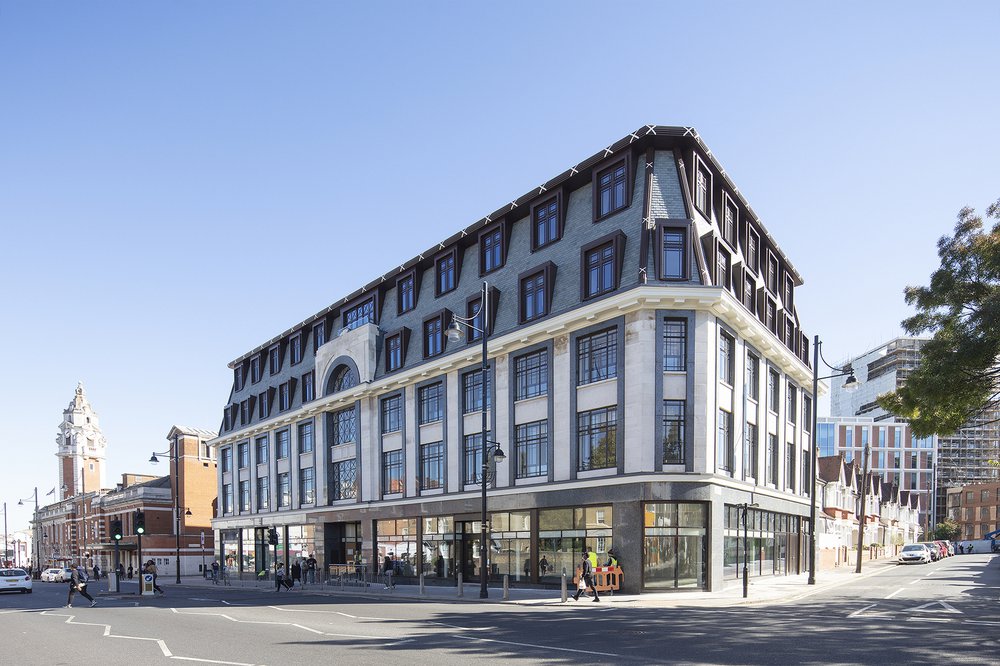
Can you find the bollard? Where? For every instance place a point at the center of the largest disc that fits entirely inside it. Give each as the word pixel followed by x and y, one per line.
pixel 565 592
pixel 421 585
pixel 461 588
pixel 506 587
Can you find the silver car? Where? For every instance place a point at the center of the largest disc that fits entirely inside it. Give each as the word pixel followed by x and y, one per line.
pixel 915 553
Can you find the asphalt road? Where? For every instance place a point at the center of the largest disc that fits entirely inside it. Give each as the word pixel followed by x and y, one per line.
pixel 945 612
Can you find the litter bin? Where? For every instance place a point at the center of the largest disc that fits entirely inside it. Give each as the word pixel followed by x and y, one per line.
pixel 112 582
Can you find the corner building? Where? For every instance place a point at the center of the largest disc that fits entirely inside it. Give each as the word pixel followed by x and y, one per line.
pixel 647 374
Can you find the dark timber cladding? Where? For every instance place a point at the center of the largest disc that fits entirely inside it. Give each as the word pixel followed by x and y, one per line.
pixel 649 137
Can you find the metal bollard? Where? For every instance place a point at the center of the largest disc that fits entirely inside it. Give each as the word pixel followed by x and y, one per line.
pixel 506 587
pixel 421 585
pixel 461 588
pixel 565 592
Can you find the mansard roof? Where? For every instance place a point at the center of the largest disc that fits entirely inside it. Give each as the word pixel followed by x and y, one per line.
pixel 655 136
pixel 193 432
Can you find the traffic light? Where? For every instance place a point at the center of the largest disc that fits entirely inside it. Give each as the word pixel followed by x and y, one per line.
pixel 116 530
pixel 139 523
pixel 272 536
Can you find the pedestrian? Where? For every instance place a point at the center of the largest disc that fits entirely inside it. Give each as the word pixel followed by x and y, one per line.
pixel 387 571
pixel 297 572
pixel 311 569
pixel 97 571
pixel 439 566
pixel 543 566
pixel 224 570
pixel 130 572
pixel 968 549
pixel 612 558
pixel 120 571
pixel 78 583
pixel 527 568
pixel 151 569
pixel 215 572
pixel 279 576
pixel 961 549
pixel 587 575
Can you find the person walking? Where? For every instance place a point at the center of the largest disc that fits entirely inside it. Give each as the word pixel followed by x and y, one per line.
pixel 97 571
pixel 297 572
pixel 279 576
pixel 78 583
pixel 587 574
pixel 215 572
pixel 120 571
pixel 130 572
pixel 151 569
pixel 387 571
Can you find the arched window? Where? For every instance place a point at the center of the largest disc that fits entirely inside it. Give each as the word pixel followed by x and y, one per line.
pixel 342 379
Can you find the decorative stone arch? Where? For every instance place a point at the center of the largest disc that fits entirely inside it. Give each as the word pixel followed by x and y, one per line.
pixel 340 369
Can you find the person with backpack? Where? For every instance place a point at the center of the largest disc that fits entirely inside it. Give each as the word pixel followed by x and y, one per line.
pixel 151 569
pixel 78 583
pixel 587 575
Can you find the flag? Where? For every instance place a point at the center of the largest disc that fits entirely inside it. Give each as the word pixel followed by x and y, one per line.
pixel 50 492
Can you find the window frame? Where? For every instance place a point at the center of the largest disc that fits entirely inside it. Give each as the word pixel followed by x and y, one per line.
pixel 437 320
pixel 425 403
pixel 701 169
pixel 728 226
pixel 727 358
pixel 611 164
pixel 524 388
pixel 547 271
pixel 394 412
pixel 676 340
pixel 497 236
pixel 274 360
pixel 411 278
pixel 295 348
pixel 263 493
pixel 319 335
pixel 431 457
pixel 668 419
pixel 613 349
pixel 616 241
pixel 393 460
pixel 544 204
pixel 683 227
pixel 308 387
pixel 359 306
pixel 303 427
pixel 531 441
pixel 451 258
pixel 608 423
pixel 472 388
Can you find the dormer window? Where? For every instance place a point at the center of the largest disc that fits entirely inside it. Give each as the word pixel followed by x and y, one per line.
pixel 360 314
pixel 702 188
pixel 611 189
pixel 446 272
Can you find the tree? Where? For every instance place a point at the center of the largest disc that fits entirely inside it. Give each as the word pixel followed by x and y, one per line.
pixel 958 375
pixel 948 530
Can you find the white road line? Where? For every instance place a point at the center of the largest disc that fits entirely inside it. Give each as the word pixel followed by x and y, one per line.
pixel 544 647
pixel 928 619
pixel 895 593
pixel 455 626
pixel 213 661
pixel 915 581
pixel 992 624
pixel 859 612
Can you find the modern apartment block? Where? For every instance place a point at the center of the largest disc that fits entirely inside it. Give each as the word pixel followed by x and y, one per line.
pixel 647 374
pixel 895 456
pixel 961 457
pixel 976 507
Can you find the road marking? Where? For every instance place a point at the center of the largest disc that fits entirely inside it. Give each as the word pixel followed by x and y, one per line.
pixel 213 661
pixel 925 608
pixel 859 612
pixel 895 593
pixel 992 624
pixel 928 619
pixel 543 647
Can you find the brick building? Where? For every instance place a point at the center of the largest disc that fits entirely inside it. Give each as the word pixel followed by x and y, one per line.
pixel 976 507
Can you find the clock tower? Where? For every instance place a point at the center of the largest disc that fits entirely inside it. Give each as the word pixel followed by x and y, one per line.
pixel 82 449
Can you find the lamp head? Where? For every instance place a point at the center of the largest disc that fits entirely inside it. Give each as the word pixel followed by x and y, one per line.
pixel 498 453
pixel 455 332
pixel 852 384
pixel 20 502
pixel 153 459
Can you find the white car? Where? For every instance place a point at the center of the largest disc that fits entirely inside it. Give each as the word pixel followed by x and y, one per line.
pixel 915 553
pixel 56 575
pixel 15 579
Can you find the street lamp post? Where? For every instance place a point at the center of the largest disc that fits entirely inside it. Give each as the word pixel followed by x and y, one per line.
pixel 850 386
pixel 744 509
pixel 861 514
pixel 5 534
pixel 34 531
pixel 455 334
pixel 173 453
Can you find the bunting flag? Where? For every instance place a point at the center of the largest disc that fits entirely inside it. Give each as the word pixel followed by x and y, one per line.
pixel 50 492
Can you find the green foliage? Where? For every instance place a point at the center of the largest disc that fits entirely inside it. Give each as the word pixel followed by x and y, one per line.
pixel 949 530
pixel 958 374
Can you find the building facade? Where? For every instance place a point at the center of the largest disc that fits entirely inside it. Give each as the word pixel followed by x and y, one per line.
pixel 976 508
pixel 959 459
pixel 77 527
pixel 895 455
pixel 647 373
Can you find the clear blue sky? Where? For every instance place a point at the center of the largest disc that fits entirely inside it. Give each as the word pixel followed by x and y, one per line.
pixel 181 181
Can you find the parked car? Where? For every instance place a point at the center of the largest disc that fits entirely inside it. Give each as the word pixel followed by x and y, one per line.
pixel 934 550
pixel 15 579
pixel 56 575
pixel 915 553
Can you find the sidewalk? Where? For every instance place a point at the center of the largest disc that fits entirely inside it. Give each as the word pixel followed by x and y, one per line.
pixel 764 590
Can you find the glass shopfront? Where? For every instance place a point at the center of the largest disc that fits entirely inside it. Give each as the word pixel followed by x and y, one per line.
pixel 562 534
pixel 774 542
pixel 230 549
pixel 301 540
pixel 438 552
pixel 511 545
pixel 398 540
pixel 675 545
